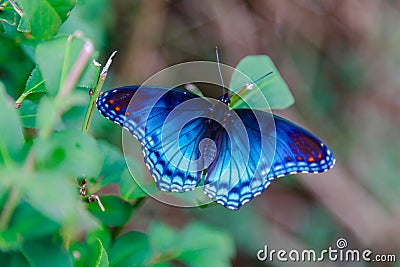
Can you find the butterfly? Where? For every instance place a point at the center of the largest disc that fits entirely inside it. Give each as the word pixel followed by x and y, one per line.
pixel 189 140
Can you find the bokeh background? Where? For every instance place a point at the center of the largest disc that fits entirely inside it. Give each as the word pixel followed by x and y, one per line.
pixel 341 61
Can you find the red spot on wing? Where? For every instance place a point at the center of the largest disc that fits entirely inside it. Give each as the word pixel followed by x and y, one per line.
pixel 288 159
pixel 111 101
pixel 299 158
pixel 320 156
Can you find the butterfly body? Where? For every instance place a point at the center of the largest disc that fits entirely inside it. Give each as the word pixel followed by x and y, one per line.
pixel 240 150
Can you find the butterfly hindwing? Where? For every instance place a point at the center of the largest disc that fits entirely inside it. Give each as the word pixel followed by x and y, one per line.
pixel 298 151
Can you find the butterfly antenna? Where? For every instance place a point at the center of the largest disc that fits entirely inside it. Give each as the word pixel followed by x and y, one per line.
pixel 219 70
pixel 259 79
pixel 249 86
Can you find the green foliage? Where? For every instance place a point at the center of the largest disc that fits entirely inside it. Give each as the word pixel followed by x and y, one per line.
pixel 44 157
pixel 11 139
pixel 196 245
pixel 55 59
pixel 273 91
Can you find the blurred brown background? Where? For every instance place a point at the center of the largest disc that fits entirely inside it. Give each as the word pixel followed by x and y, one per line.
pixel 341 61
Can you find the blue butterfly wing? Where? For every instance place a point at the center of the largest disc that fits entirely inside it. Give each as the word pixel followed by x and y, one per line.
pixel 237 171
pixel 298 151
pixel 143 113
pixel 277 148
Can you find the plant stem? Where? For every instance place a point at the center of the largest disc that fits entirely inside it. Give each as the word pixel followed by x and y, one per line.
pixel 24 95
pixel 77 70
pixel 9 207
pixel 15 192
pixel 69 84
pixel 96 93
pixel 16 8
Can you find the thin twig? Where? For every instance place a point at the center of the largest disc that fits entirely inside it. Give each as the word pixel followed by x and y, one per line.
pixel 93 198
pixel 9 207
pixel 16 8
pixel 77 70
pixel 95 94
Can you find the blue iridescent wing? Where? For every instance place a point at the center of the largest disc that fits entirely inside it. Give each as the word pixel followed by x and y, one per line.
pixel 239 172
pixel 277 148
pixel 298 151
pixel 143 113
pixel 244 161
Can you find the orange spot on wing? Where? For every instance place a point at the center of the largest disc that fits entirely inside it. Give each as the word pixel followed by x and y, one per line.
pixel 127 113
pixel 299 158
pixel 137 119
pixel 111 101
pixel 319 156
pixel 311 159
pixel 117 109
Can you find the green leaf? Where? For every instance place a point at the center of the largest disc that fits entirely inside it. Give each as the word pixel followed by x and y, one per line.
pixel 15 259
pixel 63 7
pixel 212 247
pixel 46 253
pixel 10 240
pixel 114 163
pixel 71 153
pixel 8 15
pixel 102 260
pixel 15 66
pixel 91 244
pixel 162 265
pixel 44 188
pixel 11 137
pixel 93 18
pixel 35 83
pixel 131 249
pixel 56 58
pixel 47 114
pixel 90 75
pixel 164 241
pixel 41 17
pixel 66 207
pixel 130 190
pixel 78 254
pixel 28 224
pixel 273 92
pixel 28 113
pixel 24 25
pixel 117 212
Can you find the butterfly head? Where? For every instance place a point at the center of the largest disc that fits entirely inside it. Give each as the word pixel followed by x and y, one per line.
pixel 225 99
